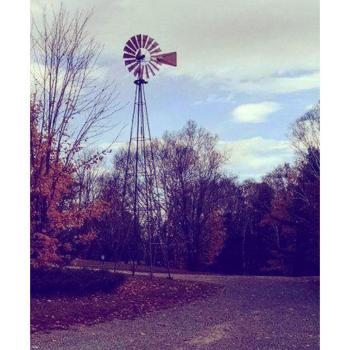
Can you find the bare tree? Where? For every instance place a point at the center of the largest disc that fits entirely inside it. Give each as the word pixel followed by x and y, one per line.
pixel 305 137
pixel 75 107
pixel 70 109
pixel 88 178
pixel 188 167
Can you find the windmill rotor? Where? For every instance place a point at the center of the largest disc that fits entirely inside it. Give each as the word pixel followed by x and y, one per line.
pixel 143 56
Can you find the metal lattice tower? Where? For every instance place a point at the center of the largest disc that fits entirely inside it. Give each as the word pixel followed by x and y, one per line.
pixel 141 194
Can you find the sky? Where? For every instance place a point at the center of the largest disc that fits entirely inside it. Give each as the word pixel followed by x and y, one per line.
pixel 246 69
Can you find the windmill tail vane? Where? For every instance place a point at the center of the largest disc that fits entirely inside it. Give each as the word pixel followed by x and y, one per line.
pixel 141 194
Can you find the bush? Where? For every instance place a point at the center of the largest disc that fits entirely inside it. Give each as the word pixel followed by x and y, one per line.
pixel 55 281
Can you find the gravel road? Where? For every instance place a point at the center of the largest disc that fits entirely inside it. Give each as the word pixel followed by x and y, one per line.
pixel 251 313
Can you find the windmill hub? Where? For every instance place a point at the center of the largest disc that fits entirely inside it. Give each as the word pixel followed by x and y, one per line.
pixel 140 57
pixel 143 55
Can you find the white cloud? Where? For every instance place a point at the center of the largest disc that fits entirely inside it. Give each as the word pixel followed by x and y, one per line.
pixel 216 98
pixel 116 146
pixel 254 112
pixel 235 41
pixel 256 156
pixel 280 85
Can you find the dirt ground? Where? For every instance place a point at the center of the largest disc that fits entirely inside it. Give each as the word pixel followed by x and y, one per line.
pixel 262 313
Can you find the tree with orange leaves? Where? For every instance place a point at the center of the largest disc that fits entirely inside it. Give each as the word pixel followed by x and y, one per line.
pixel 57 218
pixel 69 109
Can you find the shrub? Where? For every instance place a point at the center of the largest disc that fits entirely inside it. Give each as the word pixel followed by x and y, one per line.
pixel 56 281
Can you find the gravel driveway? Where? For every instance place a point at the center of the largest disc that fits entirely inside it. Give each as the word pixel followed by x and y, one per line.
pixel 251 313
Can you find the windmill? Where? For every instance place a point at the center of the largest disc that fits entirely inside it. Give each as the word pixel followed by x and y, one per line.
pixel 141 196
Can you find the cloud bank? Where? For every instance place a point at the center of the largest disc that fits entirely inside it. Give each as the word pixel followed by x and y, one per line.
pixel 251 157
pixel 250 45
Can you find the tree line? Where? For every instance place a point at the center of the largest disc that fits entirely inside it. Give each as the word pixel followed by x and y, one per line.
pixel 209 220
pixel 215 222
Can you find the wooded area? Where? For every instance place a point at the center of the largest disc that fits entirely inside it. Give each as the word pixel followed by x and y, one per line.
pixel 209 220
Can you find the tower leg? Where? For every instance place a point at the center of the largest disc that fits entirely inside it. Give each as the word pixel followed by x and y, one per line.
pixel 141 183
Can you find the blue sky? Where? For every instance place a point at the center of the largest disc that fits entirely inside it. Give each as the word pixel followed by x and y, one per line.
pixel 246 69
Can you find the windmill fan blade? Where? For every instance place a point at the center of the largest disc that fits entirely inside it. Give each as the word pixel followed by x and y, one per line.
pixel 136 71
pixel 131 44
pixel 154 51
pixel 153 46
pixel 167 58
pixel 133 66
pixel 149 67
pixel 129 50
pixel 133 40
pixel 139 72
pixel 154 64
pixel 139 40
pixel 144 39
pixel 147 74
pixel 127 62
pixel 149 42
pixel 127 55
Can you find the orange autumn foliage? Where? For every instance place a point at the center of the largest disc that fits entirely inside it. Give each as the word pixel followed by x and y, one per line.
pixel 58 220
